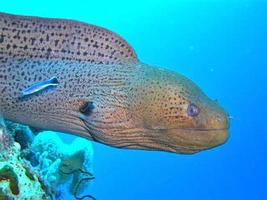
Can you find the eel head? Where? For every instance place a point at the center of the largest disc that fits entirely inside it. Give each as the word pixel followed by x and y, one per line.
pixel 176 115
pixel 163 111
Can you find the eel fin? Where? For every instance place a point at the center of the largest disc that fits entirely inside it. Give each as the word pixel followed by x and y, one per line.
pixel 62 39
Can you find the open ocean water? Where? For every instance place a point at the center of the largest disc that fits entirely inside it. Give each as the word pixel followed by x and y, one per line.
pixel 222 46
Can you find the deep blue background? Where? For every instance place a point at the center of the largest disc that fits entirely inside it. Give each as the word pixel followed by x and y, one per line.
pixel 223 48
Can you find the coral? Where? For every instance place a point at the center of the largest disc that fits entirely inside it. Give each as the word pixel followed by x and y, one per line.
pixel 22 134
pixel 15 181
pixel 61 166
pixel 7 174
pixel 43 167
pixel 6 140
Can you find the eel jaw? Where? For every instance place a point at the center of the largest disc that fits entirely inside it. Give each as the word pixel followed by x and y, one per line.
pixel 188 141
pixel 175 140
pixel 180 141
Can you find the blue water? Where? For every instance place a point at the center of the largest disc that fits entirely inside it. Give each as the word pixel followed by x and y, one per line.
pixel 223 48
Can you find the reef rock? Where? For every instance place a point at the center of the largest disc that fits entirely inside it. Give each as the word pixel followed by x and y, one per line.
pixel 64 168
pixel 43 166
pixel 17 181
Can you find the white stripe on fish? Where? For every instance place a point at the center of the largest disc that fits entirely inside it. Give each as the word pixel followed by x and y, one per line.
pixel 38 87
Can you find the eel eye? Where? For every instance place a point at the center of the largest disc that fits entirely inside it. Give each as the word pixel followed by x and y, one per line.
pixel 192 110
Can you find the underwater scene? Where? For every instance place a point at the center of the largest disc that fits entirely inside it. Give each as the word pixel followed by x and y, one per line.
pixel 133 100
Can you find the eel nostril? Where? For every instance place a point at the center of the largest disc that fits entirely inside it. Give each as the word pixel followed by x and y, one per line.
pixel 221 120
pixel 218 118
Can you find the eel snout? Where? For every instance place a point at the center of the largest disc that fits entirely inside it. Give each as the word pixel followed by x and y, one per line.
pixel 178 116
pixel 208 134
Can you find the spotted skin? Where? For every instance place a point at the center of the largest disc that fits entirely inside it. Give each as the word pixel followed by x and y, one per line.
pixel 64 39
pixel 135 105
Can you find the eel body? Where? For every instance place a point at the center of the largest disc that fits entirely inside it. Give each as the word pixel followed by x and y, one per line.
pixel 104 92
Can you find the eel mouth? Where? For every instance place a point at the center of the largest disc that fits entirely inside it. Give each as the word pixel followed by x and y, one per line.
pixel 181 141
pixel 188 141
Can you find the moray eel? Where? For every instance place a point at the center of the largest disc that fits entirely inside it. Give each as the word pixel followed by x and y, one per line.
pixel 104 92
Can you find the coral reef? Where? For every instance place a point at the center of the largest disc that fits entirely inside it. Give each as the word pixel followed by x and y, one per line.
pixel 42 166
pixel 61 164
pixel 16 181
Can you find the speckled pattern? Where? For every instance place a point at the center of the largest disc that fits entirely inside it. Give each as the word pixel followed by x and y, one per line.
pixel 84 58
pixel 136 105
pixel 79 82
pixel 63 39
